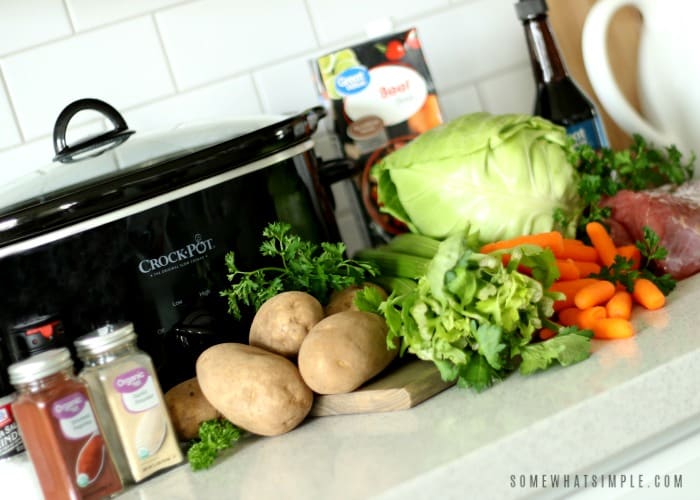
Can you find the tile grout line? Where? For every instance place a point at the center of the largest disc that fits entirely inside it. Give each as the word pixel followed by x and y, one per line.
pixel 13 112
pixel 71 22
pixel 258 92
pixel 487 76
pixel 164 52
pixel 310 15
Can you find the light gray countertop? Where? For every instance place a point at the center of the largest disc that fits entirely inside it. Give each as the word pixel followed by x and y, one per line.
pixel 632 398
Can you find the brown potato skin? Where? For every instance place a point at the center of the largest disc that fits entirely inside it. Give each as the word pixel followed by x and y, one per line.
pixel 188 408
pixel 344 300
pixel 257 390
pixel 283 321
pixel 343 351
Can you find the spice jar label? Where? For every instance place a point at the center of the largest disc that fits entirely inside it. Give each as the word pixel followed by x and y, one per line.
pixel 75 416
pixel 10 440
pixel 137 390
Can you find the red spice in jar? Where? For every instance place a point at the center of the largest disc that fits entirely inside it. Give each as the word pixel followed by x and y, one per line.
pixel 62 436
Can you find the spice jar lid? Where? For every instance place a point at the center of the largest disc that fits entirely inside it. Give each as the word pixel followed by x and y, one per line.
pixel 105 338
pixel 39 366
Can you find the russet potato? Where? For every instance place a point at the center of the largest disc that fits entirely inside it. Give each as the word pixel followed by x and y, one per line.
pixel 259 391
pixel 344 300
pixel 188 408
pixel 343 351
pixel 283 321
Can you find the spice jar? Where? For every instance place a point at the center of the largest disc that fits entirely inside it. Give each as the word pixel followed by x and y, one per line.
pixel 10 441
pixel 129 400
pixel 62 436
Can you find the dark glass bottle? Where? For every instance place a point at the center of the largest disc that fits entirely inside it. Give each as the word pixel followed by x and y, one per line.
pixel 558 98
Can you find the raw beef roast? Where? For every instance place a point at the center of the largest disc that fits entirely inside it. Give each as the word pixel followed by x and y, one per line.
pixel 673 214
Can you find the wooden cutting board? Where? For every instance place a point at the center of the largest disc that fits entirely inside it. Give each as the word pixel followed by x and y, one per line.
pixel 403 387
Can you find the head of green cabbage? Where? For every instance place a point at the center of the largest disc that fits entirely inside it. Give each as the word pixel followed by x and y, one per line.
pixel 504 175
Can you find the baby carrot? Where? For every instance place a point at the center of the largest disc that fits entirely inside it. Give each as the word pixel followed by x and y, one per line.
pixel 577 250
pixel 631 252
pixel 569 289
pixel 647 294
pixel 612 328
pixel 567 269
pixel 594 294
pixel 619 305
pixel 569 316
pixel 546 333
pixel 552 240
pixel 588 317
pixel 602 242
pixel 586 268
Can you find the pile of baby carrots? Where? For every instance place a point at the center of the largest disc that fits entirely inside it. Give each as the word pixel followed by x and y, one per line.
pixel 590 303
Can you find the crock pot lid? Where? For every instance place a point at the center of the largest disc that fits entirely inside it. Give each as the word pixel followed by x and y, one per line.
pixel 82 175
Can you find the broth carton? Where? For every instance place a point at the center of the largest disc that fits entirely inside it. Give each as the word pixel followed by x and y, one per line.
pixel 380 92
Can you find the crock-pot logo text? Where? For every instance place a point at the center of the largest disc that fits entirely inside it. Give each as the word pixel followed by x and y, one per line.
pixel 189 254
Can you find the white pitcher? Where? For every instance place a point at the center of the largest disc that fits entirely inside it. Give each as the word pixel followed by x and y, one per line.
pixel 669 70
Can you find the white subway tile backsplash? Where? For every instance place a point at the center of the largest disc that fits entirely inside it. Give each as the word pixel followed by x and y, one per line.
pixel 337 20
pixel 9 135
pixel 122 64
pixel 22 160
pixel 234 97
pixel 472 41
pixel 212 39
pixel 287 87
pixel 164 62
pixel 511 92
pixel 87 14
pixel 24 23
pixel 459 102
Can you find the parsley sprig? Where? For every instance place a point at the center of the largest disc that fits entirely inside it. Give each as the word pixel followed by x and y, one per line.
pixel 301 265
pixel 622 270
pixel 215 436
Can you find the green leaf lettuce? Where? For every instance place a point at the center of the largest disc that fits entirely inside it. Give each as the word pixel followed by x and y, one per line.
pixel 475 317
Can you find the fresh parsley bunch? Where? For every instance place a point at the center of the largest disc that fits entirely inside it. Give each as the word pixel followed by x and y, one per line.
pixel 605 171
pixel 302 265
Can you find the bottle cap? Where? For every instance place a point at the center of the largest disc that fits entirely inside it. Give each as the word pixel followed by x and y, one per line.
pixel 105 338
pixel 529 9
pixel 34 334
pixel 40 365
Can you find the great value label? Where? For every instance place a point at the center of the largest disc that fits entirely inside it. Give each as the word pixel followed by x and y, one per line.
pixel 379 90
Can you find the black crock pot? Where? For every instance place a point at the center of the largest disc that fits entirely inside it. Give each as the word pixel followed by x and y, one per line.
pixel 134 227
